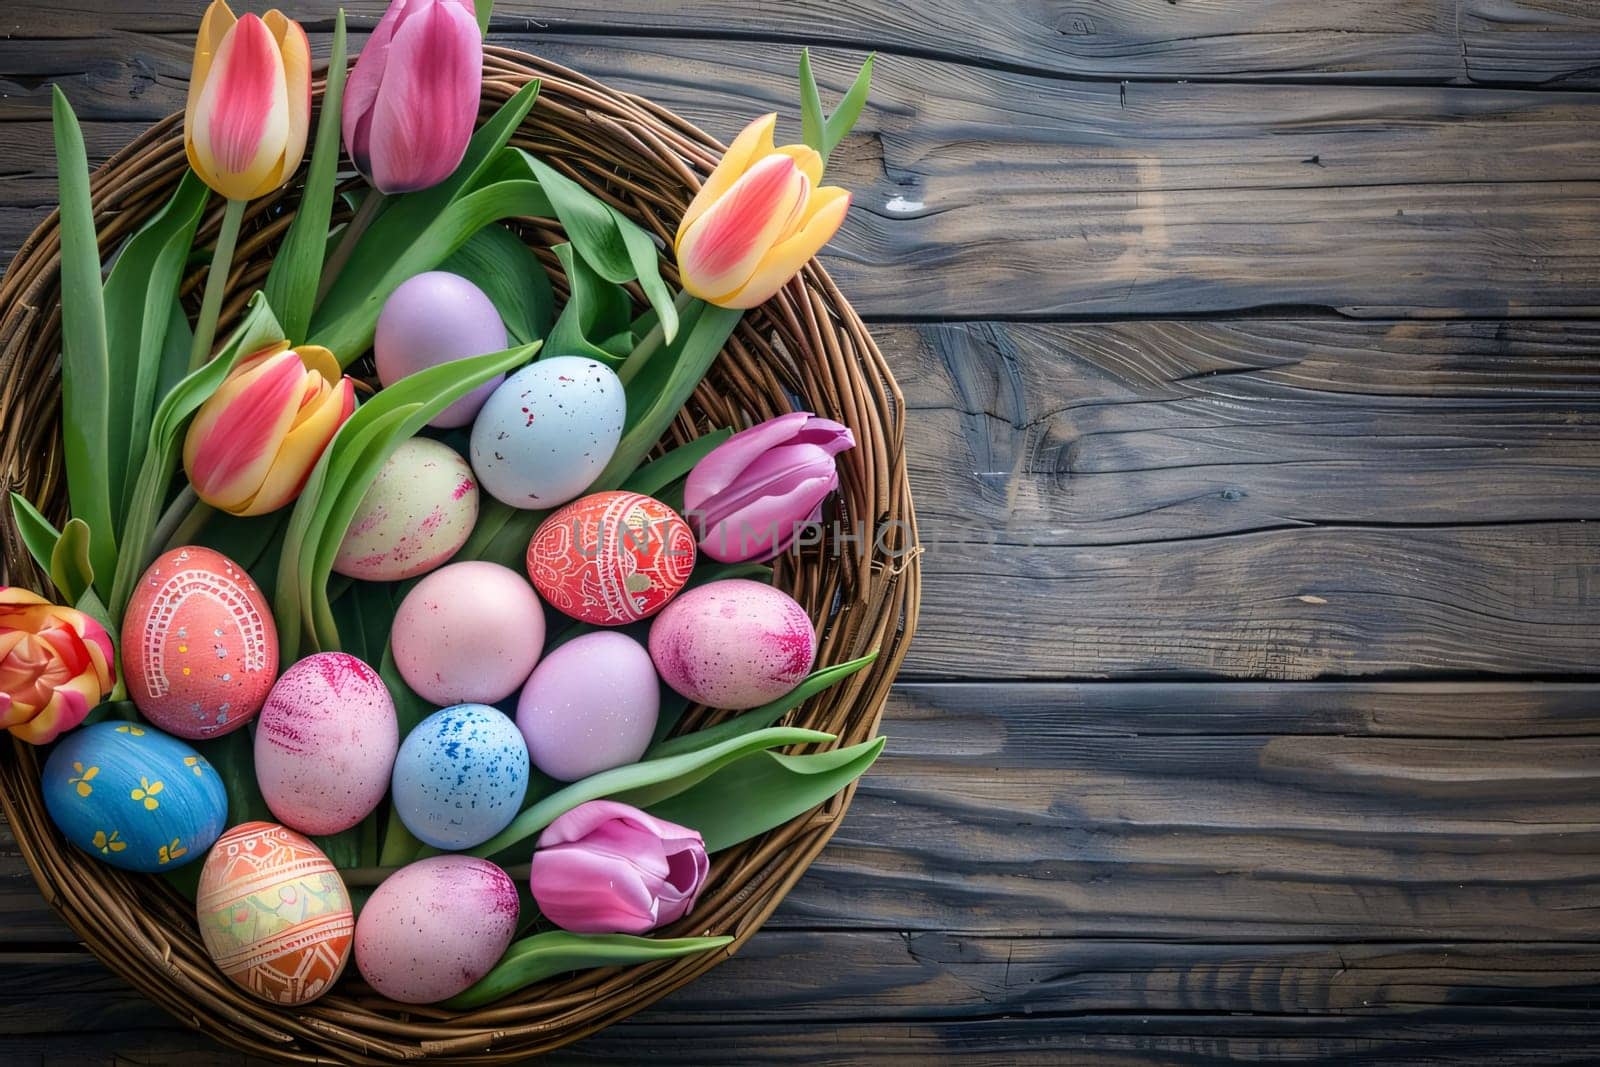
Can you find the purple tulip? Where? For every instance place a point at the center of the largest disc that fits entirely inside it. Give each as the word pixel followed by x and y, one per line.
pixel 750 495
pixel 607 868
pixel 411 101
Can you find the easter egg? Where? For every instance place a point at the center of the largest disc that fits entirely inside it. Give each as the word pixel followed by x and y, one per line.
pixel 199 647
pixel 435 927
pixel 325 743
pixel 548 432
pixel 132 796
pixel 611 558
pixel 419 512
pixel 589 706
pixel 274 913
pixel 460 776
pixel 468 633
pixel 435 318
pixel 733 644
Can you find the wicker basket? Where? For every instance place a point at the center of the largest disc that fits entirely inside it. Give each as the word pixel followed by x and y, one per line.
pixel 805 347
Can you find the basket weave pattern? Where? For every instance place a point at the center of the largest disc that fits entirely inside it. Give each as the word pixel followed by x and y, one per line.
pixel 805 348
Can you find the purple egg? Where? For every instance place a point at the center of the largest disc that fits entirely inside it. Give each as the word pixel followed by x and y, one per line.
pixel 435 318
pixel 590 706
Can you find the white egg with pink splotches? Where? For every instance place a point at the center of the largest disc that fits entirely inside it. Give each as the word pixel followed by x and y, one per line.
pixel 418 513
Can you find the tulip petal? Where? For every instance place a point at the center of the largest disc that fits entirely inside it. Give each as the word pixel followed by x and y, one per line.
pixel 296 52
pixel 588 893
pixel 753 143
pixel 242 117
pixel 427 103
pixel 233 442
pixel 302 446
pixel 218 20
pixel 807 159
pixel 730 242
pixel 717 470
pixel 362 86
pixel 825 214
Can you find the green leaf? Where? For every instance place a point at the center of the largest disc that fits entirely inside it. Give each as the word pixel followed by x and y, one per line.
pixel 843 120
pixel 811 120
pixel 173 366
pixel 38 534
pixel 641 784
pixel 764 790
pixel 536 958
pixel 85 362
pixel 140 296
pixel 496 261
pixel 485 7
pixel 70 570
pixel 597 312
pixel 296 270
pixel 656 475
pixel 762 717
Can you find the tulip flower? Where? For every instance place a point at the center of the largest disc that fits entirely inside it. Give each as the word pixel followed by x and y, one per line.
pixel 252 445
pixel 412 99
pixel 56 664
pixel 249 102
pixel 750 494
pixel 607 868
pixel 758 219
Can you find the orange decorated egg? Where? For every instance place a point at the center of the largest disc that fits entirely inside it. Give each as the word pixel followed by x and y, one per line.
pixel 199 647
pixel 611 558
pixel 274 913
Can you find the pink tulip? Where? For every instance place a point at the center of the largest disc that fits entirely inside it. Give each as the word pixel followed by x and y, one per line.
pixel 750 495
pixel 758 219
pixel 412 99
pixel 607 868
pixel 249 102
pixel 56 664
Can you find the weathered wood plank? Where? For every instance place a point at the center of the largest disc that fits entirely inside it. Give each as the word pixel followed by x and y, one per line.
pixel 1479 41
pixel 1137 199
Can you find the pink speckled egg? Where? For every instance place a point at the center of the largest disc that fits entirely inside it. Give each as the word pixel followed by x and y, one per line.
pixel 733 644
pixel 435 318
pixel 199 647
pixel 435 927
pixel 419 512
pixel 611 558
pixel 325 743
pixel 589 706
pixel 469 633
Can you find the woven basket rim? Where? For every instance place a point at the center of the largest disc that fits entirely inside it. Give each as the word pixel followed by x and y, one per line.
pixel 806 346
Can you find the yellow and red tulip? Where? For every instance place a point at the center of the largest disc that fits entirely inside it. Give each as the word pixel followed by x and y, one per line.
pixel 253 444
pixel 56 664
pixel 758 219
pixel 249 101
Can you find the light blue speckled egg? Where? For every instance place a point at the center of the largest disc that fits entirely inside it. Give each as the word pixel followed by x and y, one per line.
pixel 547 433
pixel 461 776
pixel 130 795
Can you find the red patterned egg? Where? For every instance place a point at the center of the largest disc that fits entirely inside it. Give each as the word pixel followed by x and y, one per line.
pixel 199 647
pixel 611 558
pixel 274 913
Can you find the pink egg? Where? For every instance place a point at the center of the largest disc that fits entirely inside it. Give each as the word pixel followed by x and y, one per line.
pixel 589 706
pixel 199 647
pixel 435 318
pixel 325 743
pixel 434 927
pixel 733 644
pixel 469 633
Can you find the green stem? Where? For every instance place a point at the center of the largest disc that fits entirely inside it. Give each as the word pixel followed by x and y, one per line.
pixel 652 343
pixel 172 519
pixel 371 206
pixel 205 327
pixel 187 530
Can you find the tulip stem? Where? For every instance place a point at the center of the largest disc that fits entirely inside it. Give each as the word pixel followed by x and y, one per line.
pixel 174 519
pixel 371 205
pixel 199 514
pixel 651 344
pixel 205 327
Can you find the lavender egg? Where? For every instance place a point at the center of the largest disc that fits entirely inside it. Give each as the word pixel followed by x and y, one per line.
pixel 435 927
pixel 468 633
pixel 325 743
pixel 418 513
pixel 460 776
pixel 589 706
pixel 547 433
pixel 435 318
pixel 733 644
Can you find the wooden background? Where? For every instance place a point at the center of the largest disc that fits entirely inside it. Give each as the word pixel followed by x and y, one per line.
pixel 1254 372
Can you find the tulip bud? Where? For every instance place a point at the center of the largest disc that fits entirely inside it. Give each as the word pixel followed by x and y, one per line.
pixel 249 102
pixel 607 868
pixel 410 103
pixel 750 495
pixel 56 664
pixel 252 445
pixel 758 219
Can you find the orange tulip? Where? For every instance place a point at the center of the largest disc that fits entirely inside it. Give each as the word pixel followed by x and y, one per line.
pixel 253 444
pixel 758 219
pixel 56 664
pixel 249 102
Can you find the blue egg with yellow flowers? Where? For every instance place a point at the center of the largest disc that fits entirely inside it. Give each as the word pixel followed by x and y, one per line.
pixel 130 795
